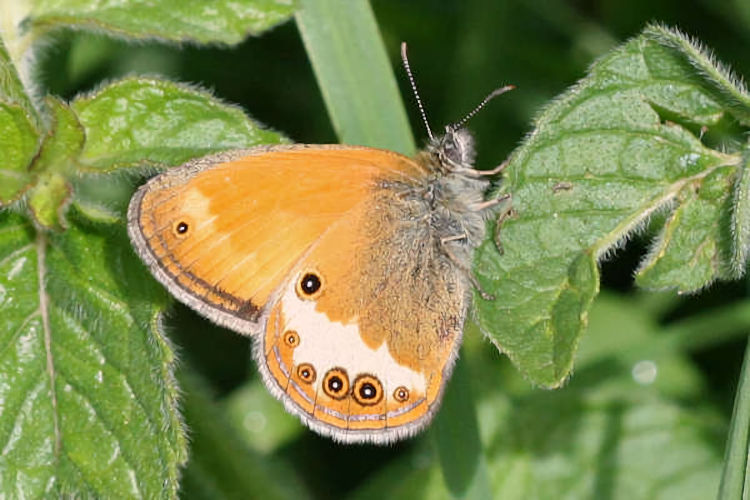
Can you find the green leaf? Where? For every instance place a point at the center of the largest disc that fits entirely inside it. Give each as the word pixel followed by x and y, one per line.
pixel 415 474
pixel 691 251
pixel 103 422
pixel 19 132
pixel 19 141
pixel 613 431
pixel 604 157
pixel 735 479
pixel 220 466
pixel 102 198
pixel 460 448
pixel 615 441
pixel 222 21
pixel 259 420
pixel 140 121
pixel 12 91
pixel 718 80
pixel 89 401
pixel 56 163
pixel 49 199
pixel 355 77
pixel 741 217
pixel 607 434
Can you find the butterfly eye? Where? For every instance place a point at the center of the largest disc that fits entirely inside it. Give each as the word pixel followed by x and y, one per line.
pixel 309 285
pixel 368 390
pixel 401 394
pixel 306 373
pixel 336 383
pixel 291 338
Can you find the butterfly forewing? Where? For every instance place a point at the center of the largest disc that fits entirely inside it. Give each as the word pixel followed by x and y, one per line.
pixel 222 232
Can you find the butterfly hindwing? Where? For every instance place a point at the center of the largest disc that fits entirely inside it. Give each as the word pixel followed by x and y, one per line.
pixel 364 333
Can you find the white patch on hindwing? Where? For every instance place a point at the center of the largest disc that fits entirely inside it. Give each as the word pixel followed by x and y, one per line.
pixel 326 344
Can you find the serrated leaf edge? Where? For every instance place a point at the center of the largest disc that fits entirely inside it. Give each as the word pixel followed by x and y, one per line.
pixel 718 76
pixel 146 165
pixel 740 221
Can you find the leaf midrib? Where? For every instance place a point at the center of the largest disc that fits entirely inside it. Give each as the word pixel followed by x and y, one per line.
pixel 41 250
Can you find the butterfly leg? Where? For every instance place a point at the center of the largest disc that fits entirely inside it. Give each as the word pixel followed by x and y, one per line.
pixel 505 214
pixel 494 171
pixel 485 173
pixel 463 267
pixel 490 203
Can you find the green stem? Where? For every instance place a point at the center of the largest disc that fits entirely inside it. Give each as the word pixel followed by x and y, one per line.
pixel 354 74
pixel 735 479
pixel 357 83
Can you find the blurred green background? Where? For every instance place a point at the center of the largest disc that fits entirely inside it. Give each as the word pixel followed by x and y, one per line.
pixel 459 51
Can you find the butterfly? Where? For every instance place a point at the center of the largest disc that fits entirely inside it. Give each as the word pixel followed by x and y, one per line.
pixel 349 266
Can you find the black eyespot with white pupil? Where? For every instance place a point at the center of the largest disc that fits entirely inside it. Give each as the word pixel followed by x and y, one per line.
pixel 401 394
pixel 181 228
pixel 335 384
pixel 306 373
pixel 367 391
pixel 291 338
pixel 310 283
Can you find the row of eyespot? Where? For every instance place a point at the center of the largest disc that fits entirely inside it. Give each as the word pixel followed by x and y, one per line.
pixel 366 389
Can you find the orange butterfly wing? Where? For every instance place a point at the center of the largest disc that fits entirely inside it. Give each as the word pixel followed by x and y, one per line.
pixel 362 355
pixel 222 232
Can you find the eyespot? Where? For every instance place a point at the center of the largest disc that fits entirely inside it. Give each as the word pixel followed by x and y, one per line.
pixel 368 390
pixel 291 338
pixel 181 228
pixel 401 394
pixel 306 373
pixel 336 383
pixel 309 285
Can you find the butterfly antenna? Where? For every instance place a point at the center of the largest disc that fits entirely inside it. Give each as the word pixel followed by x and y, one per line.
pixel 405 60
pixel 482 104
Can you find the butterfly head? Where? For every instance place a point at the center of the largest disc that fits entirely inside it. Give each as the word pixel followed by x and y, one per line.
pixel 454 149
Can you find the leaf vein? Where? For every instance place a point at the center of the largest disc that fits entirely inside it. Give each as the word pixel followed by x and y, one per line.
pixel 15 252
pixel 41 249
pixel 73 322
pixel 28 394
pixel 18 331
pixel 123 449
